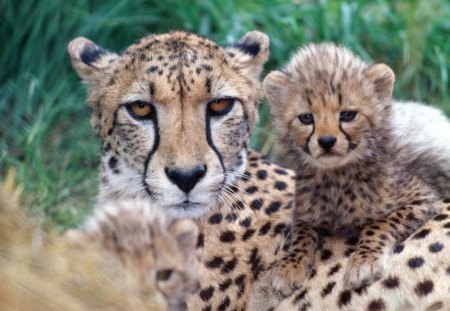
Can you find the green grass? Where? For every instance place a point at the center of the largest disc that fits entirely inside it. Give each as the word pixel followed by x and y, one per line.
pixel 44 123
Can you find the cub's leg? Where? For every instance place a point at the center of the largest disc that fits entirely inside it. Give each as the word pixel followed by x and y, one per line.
pixel 379 237
pixel 295 266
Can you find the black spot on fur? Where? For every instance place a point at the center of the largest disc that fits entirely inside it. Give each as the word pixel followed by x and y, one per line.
pixel 280 185
pixel 246 222
pixel 265 228
pixel 415 262
pixel 436 247
pixel 224 305
pixel 214 263
pixel 215 219
pixel 224 286
pixel 251 190
pixel 399 248
pixel 207 293
pixel 248 234
pixel 273 207
pixel 325 254
pixel 421 234
pixel 256 204
pixel 327 289
pixel 300 296
pixel 261 174
pixel 334 269
pixel 229 266
pixel 227 237
pixel 376 305
pixel 424 288
pixel 344 298
pixel 391 282
pixel 441 217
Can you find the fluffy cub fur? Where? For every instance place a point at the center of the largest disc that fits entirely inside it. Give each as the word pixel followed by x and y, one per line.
pixel 336 125
pixel 153 248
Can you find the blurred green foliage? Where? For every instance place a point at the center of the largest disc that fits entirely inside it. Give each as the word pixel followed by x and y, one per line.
pixel 44 124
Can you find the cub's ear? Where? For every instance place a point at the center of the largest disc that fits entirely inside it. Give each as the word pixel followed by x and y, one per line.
pixel 186 234
pixel 89 60
pixel 382 78
pixel 275 84
pixel 250 52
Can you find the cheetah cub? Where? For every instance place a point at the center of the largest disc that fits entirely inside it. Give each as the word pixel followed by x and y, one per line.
pixel 153 248
pixel 333 115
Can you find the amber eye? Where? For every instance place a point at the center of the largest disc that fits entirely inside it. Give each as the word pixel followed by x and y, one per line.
pixel 141 110
pixel 306 118
pixel 163 275
pixel 348 116
pixel 220 106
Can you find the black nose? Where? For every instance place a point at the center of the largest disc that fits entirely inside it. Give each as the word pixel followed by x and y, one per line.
pixel 186 180
pixel 326 142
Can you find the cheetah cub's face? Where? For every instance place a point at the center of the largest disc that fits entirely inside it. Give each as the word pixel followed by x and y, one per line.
pixel 157 251
pixel 328 106
pixel 174 113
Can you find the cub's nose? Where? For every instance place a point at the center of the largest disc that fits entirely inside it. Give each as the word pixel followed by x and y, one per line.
pixel 186 180
pixel 326 142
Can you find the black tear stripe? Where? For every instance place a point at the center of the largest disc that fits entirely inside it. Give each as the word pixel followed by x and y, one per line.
pixel 150 154
pixel 351 145
pixel 306 147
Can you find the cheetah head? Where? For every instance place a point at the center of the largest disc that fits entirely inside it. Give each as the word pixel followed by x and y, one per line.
pixel 174 113
pixel 329 107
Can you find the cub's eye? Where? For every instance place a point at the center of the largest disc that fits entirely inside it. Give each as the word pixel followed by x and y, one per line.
pixel 141 110
pixel 348 116
pixel 306 118
pixel 163 275
pixel 219 107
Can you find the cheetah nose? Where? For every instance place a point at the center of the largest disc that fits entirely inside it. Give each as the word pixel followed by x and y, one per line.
pixel 186 180
pixel 326 142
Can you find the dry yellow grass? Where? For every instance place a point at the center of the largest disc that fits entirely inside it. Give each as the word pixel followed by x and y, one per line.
pixel 41 271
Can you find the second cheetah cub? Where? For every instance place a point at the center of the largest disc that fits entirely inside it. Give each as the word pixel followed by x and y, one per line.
pixel 333 115
pixel 155 249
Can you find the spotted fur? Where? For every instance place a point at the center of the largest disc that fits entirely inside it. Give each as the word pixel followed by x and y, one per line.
pixel 333 115
pixel 243 203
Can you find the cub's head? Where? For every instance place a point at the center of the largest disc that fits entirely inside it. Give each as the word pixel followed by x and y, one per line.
pixel 174 113
pixel 157 251
pixel 329 107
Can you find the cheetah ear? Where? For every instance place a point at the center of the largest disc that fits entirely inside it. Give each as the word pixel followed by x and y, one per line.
pixel 274 85
pixel 250 52
pixel 89 60
pixel 186 233
pixel 382 78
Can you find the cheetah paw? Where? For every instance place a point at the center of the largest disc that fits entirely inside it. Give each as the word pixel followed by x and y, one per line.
pixel 289 276
pixel 364 271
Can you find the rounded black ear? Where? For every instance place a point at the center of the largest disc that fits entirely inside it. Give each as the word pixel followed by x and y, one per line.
pixel 89 60
pixel 382 78
pixel 250 52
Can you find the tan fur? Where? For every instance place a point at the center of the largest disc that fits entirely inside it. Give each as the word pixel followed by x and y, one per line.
pixel 147 243
pixel 355 185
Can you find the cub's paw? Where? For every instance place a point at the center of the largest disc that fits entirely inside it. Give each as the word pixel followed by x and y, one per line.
pixel 364 271
pixel 289 275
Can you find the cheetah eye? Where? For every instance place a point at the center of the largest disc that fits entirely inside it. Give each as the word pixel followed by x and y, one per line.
pixel 306 118
pixel 348 116
pixel 221 106
pixel 140 110
pixel 163 275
